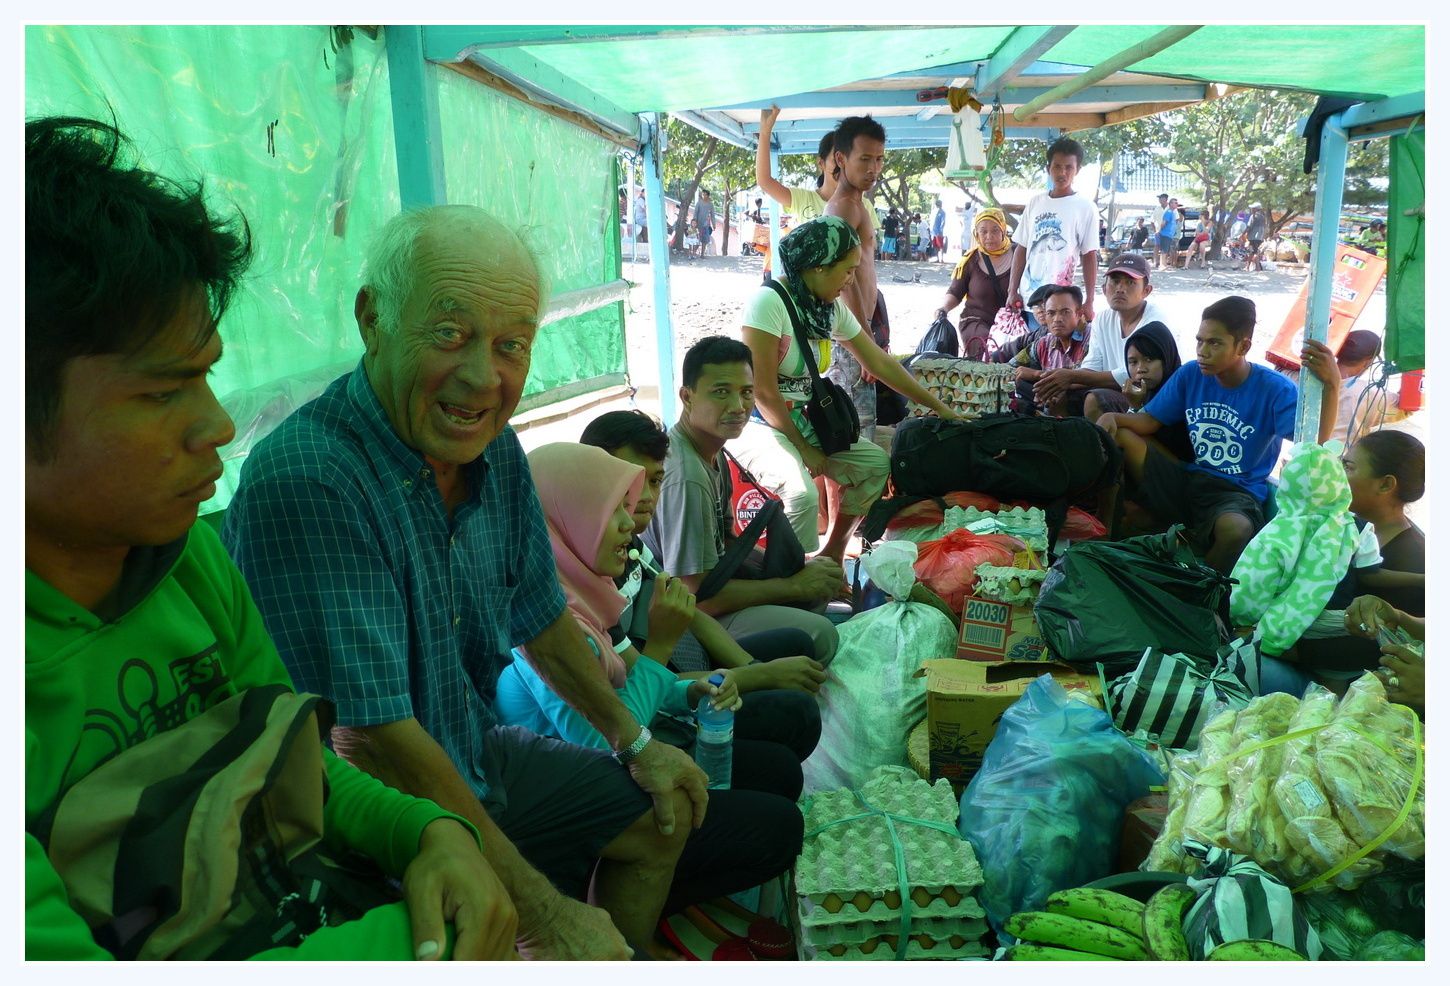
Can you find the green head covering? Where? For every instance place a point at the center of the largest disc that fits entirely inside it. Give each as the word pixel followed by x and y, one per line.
pixel 820 242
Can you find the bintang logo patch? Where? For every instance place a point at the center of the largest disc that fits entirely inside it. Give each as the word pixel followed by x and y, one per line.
pixel 747 506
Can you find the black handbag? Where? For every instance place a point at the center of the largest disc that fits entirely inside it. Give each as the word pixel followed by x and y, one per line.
pixel 781 557
pixel 830 410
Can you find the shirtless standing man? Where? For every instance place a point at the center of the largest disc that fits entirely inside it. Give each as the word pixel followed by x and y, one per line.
pixel 859 155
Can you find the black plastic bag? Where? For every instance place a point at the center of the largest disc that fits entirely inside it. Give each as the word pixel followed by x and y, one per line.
pixel 941 338
pixel 1108 601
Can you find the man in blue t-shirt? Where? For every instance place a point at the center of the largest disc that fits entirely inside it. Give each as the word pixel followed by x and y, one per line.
pixel 1166 246
pixel 1237 414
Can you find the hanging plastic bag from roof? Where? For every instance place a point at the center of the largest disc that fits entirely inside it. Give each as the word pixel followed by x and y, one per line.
pixel 965 155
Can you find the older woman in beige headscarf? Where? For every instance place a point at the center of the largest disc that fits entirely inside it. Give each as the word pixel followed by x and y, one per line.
pixel 981 280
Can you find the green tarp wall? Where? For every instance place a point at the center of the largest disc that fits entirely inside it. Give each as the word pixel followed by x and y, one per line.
pixel 1405 314
pixel 293 126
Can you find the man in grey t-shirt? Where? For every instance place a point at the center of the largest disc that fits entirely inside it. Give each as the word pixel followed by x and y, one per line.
pixel 704 220
pixel 691 525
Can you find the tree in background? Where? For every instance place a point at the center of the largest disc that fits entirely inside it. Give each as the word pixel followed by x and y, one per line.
pixel 900 181
pixel 1243 149
pixel 690 157
pixel 687 159
pixel 734 172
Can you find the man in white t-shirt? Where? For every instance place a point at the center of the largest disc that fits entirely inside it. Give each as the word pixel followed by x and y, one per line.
pixel 1057 229
pixel 1126 289
pixel 969 213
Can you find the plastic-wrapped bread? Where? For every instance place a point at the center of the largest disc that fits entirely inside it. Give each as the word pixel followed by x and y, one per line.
pixel 1255 826
pixel 1369 786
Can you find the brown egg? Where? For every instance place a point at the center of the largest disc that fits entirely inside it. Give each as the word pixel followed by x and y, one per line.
pixel 831 903
pixel 951 896
pixel 893 899
pixel 862 900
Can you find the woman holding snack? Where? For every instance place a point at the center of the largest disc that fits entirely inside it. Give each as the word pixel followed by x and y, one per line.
pixel 979 282
pixel 779 446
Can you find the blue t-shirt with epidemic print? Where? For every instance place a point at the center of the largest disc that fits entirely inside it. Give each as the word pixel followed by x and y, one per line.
pixel 1235 432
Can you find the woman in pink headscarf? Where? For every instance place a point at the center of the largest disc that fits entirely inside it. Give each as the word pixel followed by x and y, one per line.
pixel 587 496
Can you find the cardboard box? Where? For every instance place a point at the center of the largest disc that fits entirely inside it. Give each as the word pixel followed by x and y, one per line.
pixel 993 631
pixel 965 701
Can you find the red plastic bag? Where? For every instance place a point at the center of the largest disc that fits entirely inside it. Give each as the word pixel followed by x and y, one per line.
pixel 948 566
pixel 926 513
pixel 1079 526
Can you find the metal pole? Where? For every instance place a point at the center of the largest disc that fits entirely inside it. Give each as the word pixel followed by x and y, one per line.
pixel 776 269
pixel 1120 61
pixel 1328 200
pixel 659 257
pixel 417 132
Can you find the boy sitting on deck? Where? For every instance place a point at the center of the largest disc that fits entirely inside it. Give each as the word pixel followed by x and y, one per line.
pixel 1237 414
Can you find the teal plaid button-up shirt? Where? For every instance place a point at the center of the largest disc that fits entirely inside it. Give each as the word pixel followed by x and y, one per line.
pixel 375 599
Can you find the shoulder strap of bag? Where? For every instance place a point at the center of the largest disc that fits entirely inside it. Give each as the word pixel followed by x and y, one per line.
pixel 746 475
pixel 993 276
pixel 735 554
pixel 808 352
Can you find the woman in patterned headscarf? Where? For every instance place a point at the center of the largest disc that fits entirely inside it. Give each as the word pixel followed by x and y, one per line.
pixel 779 446
pixel 981 280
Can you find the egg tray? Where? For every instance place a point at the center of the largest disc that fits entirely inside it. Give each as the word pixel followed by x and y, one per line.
pixel 884 949
pixel 858 856
pixel 970 388
pixel 1026 524
pixel 860 932
pixel 996 582
pixel 883 911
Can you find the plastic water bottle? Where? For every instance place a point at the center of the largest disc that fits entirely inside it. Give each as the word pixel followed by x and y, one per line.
pixel 715 739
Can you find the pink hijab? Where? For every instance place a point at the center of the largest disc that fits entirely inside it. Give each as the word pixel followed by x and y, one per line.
pixel 580 487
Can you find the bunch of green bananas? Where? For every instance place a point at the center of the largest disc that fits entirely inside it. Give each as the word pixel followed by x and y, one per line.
pixel 1086 924
pixel 1077 925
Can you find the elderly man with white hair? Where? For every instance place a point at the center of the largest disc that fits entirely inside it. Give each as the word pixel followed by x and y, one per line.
pixel 395 545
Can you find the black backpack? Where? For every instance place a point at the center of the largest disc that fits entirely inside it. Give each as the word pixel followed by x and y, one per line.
pixel 1047 461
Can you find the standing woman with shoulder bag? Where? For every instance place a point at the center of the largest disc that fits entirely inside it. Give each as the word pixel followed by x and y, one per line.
pixel 980 281
pixel 801 313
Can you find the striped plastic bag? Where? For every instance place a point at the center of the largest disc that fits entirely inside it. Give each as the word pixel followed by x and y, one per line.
pixel 1169 697
pixel 1239 901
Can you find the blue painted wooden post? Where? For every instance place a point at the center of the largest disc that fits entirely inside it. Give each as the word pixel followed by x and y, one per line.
pixel 1328 200
pixel 775 266
pixel 417 133
pixel 659 258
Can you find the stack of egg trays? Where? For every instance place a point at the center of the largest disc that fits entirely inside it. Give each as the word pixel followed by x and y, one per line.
pixel 970 388
pixel 849 897
pixel 994 582
pixel 1028 524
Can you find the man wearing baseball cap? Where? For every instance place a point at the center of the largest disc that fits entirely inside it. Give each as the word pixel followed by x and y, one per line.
pixel 1126 289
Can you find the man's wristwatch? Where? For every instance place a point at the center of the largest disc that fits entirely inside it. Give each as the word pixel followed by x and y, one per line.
pixel 633 750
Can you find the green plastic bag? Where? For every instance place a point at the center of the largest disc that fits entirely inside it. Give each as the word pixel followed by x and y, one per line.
pixel 1108 601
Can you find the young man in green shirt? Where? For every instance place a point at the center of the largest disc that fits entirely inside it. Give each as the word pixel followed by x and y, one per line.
pixel 136 621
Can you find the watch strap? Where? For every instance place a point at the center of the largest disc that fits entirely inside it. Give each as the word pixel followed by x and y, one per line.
pixel 634 749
